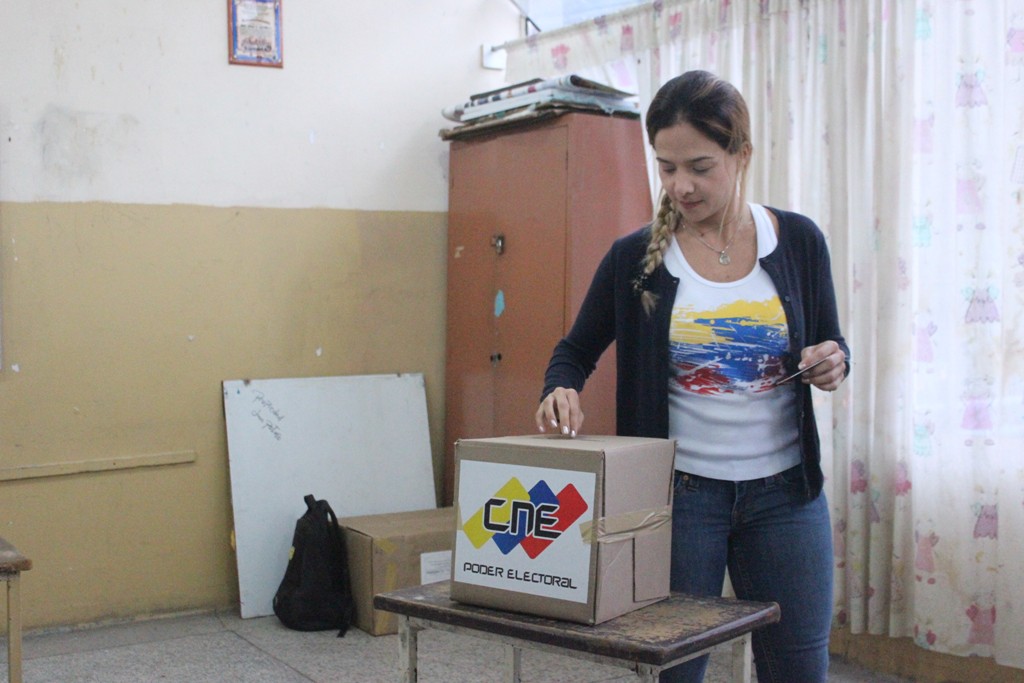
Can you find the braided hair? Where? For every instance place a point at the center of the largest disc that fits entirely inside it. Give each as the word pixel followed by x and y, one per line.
pixel 716 109
pixel 664 224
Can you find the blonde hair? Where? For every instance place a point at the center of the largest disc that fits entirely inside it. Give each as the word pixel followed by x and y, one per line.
pixel 664 224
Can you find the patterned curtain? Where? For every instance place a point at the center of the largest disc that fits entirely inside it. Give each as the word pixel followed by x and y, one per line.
pixel 898 125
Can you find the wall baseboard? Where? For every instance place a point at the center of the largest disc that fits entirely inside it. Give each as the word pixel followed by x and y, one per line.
pixel 902 657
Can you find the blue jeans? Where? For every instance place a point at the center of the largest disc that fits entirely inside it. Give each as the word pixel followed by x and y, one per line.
pixel 777 545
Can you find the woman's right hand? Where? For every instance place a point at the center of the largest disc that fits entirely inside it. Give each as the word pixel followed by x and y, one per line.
pixel 560 411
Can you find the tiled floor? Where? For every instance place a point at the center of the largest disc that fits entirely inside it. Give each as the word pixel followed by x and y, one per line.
pixel 221 647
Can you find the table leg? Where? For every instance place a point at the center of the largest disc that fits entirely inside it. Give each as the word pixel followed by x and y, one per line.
pixel 513 664
pixel 13 629
pixel 647 673
pixel 408 645
pixel 741 659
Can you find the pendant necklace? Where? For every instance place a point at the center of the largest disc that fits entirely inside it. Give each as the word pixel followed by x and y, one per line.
pixel 723 257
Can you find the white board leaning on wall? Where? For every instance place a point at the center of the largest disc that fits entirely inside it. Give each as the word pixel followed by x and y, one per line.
pixel 360 442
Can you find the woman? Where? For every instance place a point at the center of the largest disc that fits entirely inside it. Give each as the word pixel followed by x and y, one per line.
pixel 712 307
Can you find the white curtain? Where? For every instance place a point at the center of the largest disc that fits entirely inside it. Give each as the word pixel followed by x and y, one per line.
pixel 898 125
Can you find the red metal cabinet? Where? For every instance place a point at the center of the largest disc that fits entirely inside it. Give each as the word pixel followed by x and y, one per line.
pixel 531 212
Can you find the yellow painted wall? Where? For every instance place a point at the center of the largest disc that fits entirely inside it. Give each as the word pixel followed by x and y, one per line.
pixel 119 324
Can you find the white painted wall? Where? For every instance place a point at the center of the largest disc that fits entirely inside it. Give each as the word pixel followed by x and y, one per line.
pixel 135 102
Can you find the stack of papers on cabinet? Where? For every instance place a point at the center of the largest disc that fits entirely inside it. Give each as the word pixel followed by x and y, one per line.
pixel 567 92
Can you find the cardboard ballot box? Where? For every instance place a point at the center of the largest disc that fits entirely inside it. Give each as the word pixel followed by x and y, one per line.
pixel 391 551
pixel 574 529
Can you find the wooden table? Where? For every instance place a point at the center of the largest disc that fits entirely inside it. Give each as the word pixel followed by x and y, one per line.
pixel 12 564
pixel 645 641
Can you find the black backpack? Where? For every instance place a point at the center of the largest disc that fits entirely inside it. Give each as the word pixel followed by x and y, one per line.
pixel 315 594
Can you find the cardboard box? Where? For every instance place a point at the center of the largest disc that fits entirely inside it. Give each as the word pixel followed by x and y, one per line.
pixel 574 529
pixel 391 551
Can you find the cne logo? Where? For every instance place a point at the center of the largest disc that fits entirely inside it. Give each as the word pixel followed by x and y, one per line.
pixel 531 519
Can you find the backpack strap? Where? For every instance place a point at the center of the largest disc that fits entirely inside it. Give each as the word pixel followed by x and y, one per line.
pixel 325 508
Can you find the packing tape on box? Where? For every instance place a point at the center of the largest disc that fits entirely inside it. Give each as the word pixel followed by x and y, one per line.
pixel 625 526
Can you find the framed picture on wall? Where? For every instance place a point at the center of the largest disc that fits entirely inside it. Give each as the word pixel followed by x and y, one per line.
pixel 254 32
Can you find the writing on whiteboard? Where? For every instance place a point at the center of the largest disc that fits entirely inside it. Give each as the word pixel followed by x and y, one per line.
pixel 267 415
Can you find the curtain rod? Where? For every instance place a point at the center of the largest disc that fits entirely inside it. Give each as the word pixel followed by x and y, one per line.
pixel 527 19
pixel 638 8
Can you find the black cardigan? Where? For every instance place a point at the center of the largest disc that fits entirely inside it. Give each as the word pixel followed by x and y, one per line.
pixel 800 269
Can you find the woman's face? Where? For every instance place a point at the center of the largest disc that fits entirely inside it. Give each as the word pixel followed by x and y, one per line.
pixel 698 175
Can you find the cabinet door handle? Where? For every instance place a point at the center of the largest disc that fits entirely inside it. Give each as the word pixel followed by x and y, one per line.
pixel 498 242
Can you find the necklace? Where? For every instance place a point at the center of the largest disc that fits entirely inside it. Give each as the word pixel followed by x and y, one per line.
pixel 723 257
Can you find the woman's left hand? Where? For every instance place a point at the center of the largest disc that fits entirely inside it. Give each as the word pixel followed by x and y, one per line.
pixel 830 373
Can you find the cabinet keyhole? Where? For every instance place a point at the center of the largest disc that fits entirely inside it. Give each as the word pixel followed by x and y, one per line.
pixel 495 358
pixel 498 242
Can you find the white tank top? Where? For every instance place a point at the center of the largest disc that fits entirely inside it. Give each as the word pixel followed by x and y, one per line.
pixel 727 345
